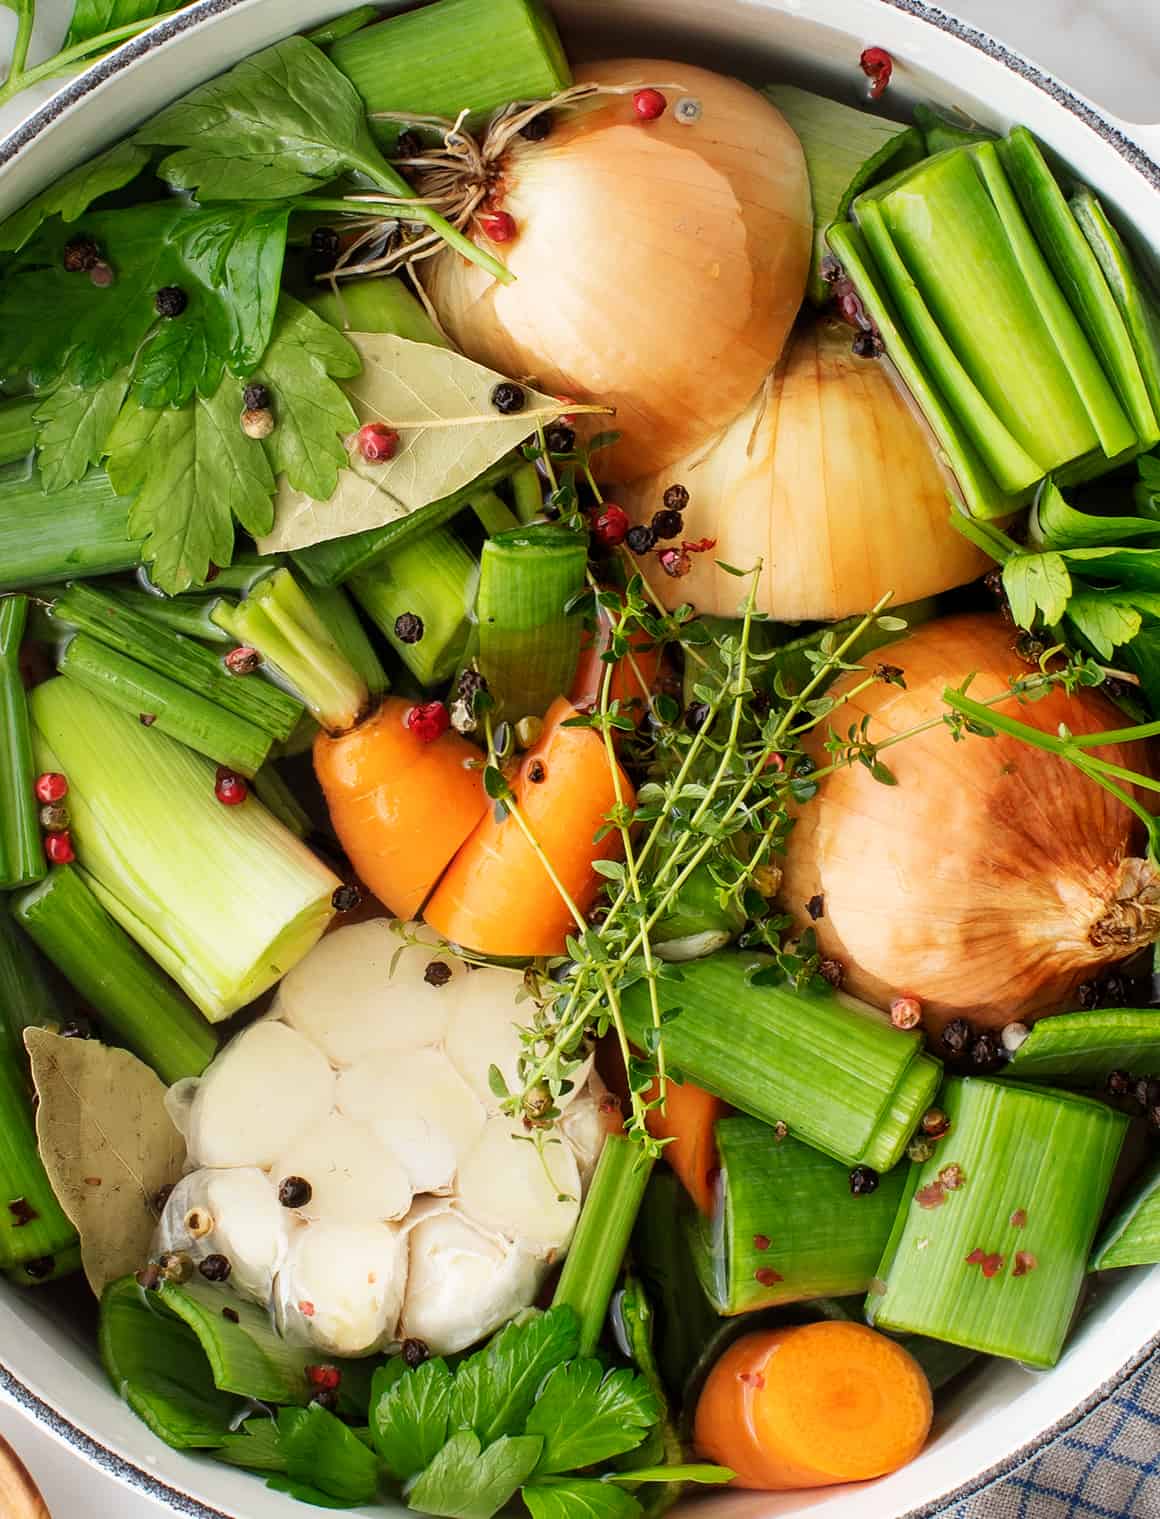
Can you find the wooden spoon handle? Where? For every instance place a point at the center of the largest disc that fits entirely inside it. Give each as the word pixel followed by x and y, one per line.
pixel 19 1496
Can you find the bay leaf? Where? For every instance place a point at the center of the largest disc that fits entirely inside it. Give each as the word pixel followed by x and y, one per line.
pixel 440 405
pixel 107 1144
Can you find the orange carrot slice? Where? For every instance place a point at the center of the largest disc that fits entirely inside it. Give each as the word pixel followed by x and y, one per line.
pixel 496 896
pixel 401 807
pixel 632 679
pixel 813 1405
pixel 687 1122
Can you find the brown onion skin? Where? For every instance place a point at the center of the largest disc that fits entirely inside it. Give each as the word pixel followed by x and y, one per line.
pixel 975 882
pixel 659 265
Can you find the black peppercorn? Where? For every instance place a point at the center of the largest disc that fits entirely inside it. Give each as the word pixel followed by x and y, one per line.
pixel 676 498
pixel 40 1268
pixel 230 1315
pixel 536 772
pixel 471 684
pixel 294 1192
pixel 215 1268
pixel 345 898
pixel 415 1352
pixel 696 716
pixel 437 973
pixel 80 254
pixel 77 1028
pixel 986 1052
pixel 409 144
pixel 326 1397
pixel 957 1036
pixel 256 396
pixel 866 345
pixel 832 971
pixel 325 241
pixel 640 538
pixel 149 1277
pixel 1119 1083
pixel 508 398
pixel 863 1181
pixel 560 438
pixel 816 906
pixel 539 127
pixel 170 300
pixel 668 523
pixel 408 627
pixel 161 1197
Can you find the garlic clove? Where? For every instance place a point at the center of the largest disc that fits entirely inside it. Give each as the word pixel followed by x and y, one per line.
pixel 264 1088
pixel 353 1179
pixel 520 1190
pixel 345 997
pixel 424 1085
pixel 341 1288
pixel 585 1127
pixel 245 1224
pixel 463 1283
pixel 425 1152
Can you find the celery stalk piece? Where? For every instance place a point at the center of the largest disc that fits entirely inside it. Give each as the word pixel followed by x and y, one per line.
pixel 1083 1049
pixel 32 994
pixel 433 576
pixel 138 1005
pixel 241 575
pixel 493 513
pixel 528 642
pixel 1054 524
pixel 17 429
pixel 832 1068
pixel 191 615
pixel 846 151
pixel 527 487
pixel 49 1268
pixel 1136 301
pixel 602 1234
pixel 943 127
pixel 103 616
pixel 787 1226
pixel 47 536
pixel 455 55
pixel 981 493
pixel 1080 277
pixel 1132 1238
pixel 157 701
pixel 277 797
pixel 378 305
pixel 334 609
pixel 21 851
pixel 996 1263
pixel 343 26
pixel 223 898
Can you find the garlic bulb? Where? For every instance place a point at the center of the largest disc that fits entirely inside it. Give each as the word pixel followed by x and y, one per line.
pixel 659 265
pixel 993 878
pixel 831 477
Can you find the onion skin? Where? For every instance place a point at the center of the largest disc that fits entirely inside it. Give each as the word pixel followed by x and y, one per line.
pixel 984 883
pixel 832 477
pixel 659 266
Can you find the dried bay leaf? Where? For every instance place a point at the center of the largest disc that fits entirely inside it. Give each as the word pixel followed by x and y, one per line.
pixel 107 1144
pixel 440 404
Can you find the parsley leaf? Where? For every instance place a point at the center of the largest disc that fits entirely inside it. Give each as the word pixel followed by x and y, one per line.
pixel 92 18
pixel 281 123
pixel 409 1415
pixel 192 470
pixel 587 1416
pixel 1104 622
pixel 320 1450
pixel 227 260
pixel 579 1500
pixel 72 195
pixel 1036 582
pixel 257 1446
pixel 305 356
pixel 73 425
pixel 496 1387
pixel 1147 491
pixel 466 1481
pixel 305 1493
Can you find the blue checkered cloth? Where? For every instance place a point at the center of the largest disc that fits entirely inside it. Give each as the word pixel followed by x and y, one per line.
pixel 1105 1467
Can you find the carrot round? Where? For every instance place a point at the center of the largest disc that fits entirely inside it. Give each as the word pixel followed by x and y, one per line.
pixel 687 1123
pixel 632 679
pixel 400 807
pixel 813 1405
pixel 496 896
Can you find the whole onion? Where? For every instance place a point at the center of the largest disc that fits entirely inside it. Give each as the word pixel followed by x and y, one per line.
pixel 993 878
pixel 659 264
pixel 832 477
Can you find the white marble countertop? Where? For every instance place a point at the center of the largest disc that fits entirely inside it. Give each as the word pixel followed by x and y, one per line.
pixel 1107 49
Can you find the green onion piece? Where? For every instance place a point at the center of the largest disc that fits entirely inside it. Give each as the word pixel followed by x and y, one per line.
pixel 660 1250
pixel 528 641
pixel 17 429
pixel 103 616
pixel 280 620
pixel 138 1005
pixel 334 609
pixel 455 55
pixel 378 305
pixel 50 1268
pixel 433 576
pixel 277 797
pixel 48 536
pixel 1136 301
pixel 21 852
pixel 494 514
pixel 157 1365
pixel 527 491
pixel 156 701
pixel 602 1235
pixel 846 152
pixel 191 615
pixel 32 1223
pixel 343 26
pixel 1083 1049
pixel 247 1356
pixel 223 898
pixel 832 1068
pixel 787 1226
pixel 1079 274
pixel 996 1261
pixel 1132 1238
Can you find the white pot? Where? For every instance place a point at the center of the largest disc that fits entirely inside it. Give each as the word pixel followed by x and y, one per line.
pixel 1003 1414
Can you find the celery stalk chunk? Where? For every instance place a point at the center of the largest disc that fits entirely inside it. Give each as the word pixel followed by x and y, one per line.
pixel 50 535
pixel 1132 1238
pixel 1083 1049
pixel 223 898
pixel 997 1262
pixel 787 1226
